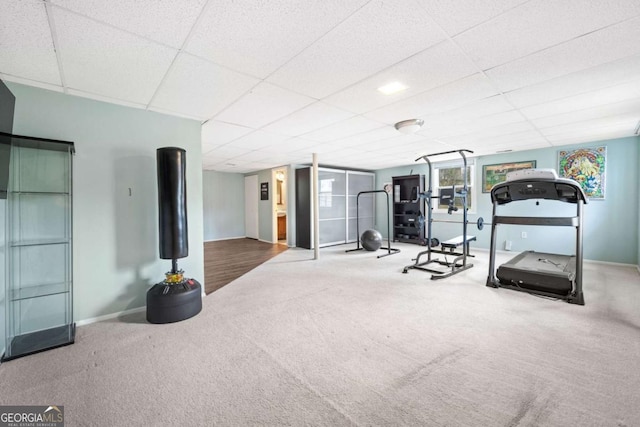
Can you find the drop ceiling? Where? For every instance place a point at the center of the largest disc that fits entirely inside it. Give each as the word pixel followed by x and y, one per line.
pixel 274 81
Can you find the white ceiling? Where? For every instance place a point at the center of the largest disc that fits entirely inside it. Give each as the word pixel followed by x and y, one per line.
pixel 275 81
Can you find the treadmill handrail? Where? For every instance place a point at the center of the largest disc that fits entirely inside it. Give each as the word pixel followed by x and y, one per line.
pixel 569 221
pixel 526 189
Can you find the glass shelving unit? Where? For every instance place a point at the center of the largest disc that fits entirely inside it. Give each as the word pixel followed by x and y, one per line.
pixel 38 242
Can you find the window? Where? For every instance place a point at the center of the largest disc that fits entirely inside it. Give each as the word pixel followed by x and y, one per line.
pixel 326 193
pixel 449 175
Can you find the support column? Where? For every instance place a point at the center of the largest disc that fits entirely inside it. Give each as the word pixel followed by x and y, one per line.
pixel 316 207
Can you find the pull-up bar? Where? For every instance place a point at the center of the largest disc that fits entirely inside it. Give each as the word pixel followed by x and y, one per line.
pixel 460 263
pixel 461 152
pixel 390 250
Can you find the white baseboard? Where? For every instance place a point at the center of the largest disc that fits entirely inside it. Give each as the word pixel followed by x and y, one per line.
pixel 586 261
pixel 117 314
pixel 227 238
pixel 109 316
pixel 619 264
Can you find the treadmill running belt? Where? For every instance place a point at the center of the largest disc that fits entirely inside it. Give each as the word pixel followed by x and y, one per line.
pixel 540 271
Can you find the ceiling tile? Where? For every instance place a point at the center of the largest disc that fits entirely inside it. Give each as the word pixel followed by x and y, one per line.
pixel 26 47
pixel 462 127
pixel 539 24
pixel 200 88
pixel 262 105
pixel 602 135
pixel 258 139
pixel 387 138
pixel 604 75
pixel 228 151
pixel 259 37
pixel 457 16
pixel 276 81
pixel 631 106
pixel 451 96
pixel 377 36
pixel 470 113
pixel 109 62
pixel 319 148
pixel 625 122
pixel 257 156
pixel 344 128
pixel 167 21
pixel 520 146
pixel 610 95
pixel 433 67
pixel 105 99
pixel 313 117
pixel 510 140
pixel 175 113
pixel 609 44
pixel 492 135
pixel 337 156
pixel 385 132
pixel 418 149
pixel 214 133
pixel 290 145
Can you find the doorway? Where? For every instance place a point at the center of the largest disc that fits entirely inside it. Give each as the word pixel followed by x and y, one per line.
pixel 280 220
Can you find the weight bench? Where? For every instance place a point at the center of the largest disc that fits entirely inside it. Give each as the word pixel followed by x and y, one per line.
pixel 448 248
pixel 452 244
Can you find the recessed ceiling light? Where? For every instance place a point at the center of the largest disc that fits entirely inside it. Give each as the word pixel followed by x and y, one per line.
pixel 391 88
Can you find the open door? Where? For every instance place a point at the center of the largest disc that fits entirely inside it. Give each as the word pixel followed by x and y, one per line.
pixel 251 195
pixel 280 220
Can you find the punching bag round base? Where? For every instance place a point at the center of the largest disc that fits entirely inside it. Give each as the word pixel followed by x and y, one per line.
pixel 173 302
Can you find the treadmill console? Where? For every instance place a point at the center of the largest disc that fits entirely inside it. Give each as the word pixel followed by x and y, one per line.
pixel 560 189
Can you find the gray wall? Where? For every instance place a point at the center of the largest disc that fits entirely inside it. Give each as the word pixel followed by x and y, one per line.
pixel 611 226
pixel 223 201
pixel 116 235
pixel 3 254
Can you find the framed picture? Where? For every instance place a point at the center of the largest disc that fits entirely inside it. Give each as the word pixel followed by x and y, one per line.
pixel 264 191
pixel 587 166
pixel 494 174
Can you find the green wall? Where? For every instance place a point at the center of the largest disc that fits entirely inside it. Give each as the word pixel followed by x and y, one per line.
pixel 610 226
pixel 116 234
pixel 223 202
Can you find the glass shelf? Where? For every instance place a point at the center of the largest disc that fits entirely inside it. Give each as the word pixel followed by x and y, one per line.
pixel 39 291
pixel 40 242
pixel 21 192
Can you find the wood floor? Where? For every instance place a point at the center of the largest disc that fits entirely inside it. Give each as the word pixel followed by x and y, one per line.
pixel 226 260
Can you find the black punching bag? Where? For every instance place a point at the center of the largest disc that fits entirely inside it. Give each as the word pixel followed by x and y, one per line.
pixel 172 203
pixel 176 298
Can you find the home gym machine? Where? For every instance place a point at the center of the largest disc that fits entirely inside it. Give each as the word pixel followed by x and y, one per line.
pixel 390 250
pixel 448 247
pixel 546 274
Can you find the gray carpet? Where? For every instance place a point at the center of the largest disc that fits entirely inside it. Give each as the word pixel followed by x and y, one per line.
pixel 349 340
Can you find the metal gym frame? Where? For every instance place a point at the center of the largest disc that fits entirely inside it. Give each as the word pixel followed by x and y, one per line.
pixel 390 250
pixel 460 262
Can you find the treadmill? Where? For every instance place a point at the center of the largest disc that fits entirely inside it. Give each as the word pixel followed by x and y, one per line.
pixel 551 275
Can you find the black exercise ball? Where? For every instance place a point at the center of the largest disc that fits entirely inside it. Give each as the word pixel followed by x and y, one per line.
pixel 371 240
